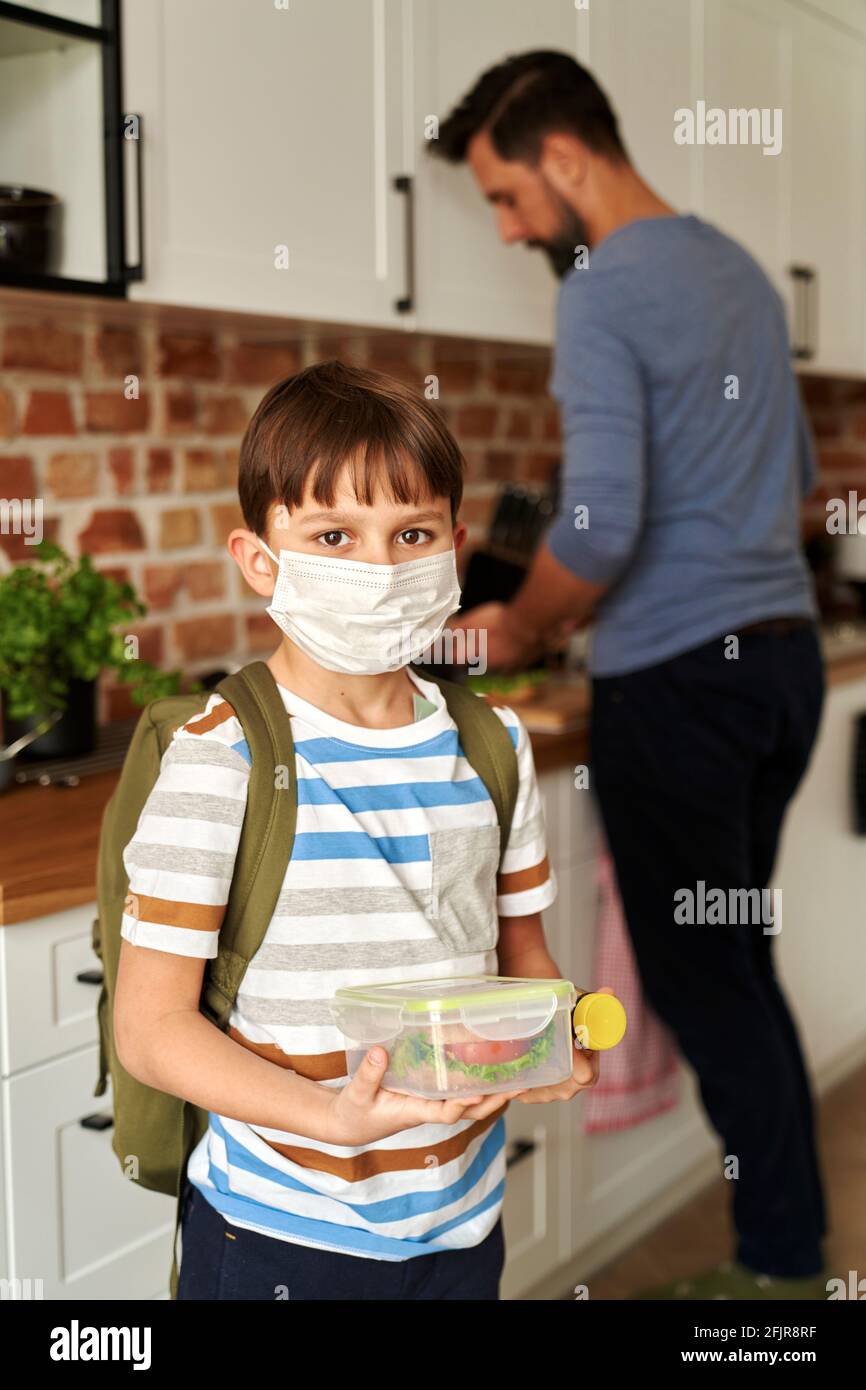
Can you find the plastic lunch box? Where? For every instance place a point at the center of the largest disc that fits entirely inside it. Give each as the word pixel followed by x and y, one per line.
pixel 476 1034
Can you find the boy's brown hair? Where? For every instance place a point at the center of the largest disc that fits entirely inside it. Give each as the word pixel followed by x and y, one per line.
pixel 330 415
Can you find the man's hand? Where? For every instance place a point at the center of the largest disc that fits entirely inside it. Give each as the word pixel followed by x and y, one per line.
pixel 509 645
pixel 550 603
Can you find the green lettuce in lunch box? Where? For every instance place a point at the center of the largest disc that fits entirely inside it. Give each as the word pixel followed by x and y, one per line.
pixel 414 1051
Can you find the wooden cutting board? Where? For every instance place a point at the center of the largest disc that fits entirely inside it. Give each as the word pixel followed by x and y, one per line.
pixel 557 707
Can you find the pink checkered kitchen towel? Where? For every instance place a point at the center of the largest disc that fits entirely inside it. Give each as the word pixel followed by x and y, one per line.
pixel 640 1077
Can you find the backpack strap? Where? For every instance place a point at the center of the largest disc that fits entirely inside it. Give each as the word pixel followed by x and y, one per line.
pixel 263 854
pixel 488 747
pixel 267 835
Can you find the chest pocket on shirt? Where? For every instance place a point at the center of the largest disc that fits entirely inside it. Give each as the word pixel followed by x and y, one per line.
pixel 463 887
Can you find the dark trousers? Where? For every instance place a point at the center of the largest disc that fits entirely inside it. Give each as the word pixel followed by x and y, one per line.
pixel 221 1261
pixel 694 762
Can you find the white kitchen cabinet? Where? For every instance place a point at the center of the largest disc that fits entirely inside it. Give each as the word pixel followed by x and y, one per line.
pixel 469 282
pixel 826 120
pixel 596 1182
pixel 610 1176
pixel 67 1215
pixel 571 820
pixel 47 1009
pixel 820 950
pixel 4 1247
pixel 76 1223
pixel 532 1216
pixel 271 131
pixel 800 212
pixel 537 1214
pixel 746 193
pixel 269 128
pixel 645 58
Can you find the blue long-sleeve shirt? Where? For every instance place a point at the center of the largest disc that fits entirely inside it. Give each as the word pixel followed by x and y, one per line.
pixel 691 482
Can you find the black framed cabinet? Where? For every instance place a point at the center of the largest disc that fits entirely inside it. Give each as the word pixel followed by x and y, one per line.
pixel 70 157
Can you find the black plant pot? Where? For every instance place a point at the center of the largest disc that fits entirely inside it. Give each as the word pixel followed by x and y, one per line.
pixel 73 735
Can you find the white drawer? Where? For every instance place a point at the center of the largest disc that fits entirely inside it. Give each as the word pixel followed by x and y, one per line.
pixel 75 1222
pixel 570 816
pixel 45 1011
pixel 537 1238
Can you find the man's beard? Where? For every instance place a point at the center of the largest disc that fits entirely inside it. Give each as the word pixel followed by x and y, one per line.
pixel 561 249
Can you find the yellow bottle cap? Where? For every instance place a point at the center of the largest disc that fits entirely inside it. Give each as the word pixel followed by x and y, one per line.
pixel 599 1021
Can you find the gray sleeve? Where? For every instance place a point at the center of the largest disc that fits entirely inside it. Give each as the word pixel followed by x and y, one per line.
pixel 599 385
pixel 807 461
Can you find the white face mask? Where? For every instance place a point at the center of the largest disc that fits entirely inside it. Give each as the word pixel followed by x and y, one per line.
pixel 363 619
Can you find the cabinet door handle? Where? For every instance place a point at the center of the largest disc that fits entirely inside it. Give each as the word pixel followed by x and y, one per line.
pixel 519 1150
pixel 403 184
pixel 99 1120
pixel 90 977
pixel 136 272
pixel 805 277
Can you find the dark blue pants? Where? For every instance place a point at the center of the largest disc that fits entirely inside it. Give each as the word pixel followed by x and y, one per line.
pixel 221 1261
pixel 694 762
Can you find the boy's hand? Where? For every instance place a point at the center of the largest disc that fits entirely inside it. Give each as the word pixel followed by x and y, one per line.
pixel 364 1111
pixel 584 1074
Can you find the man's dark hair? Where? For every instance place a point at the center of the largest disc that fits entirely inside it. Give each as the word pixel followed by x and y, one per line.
pixel 526 97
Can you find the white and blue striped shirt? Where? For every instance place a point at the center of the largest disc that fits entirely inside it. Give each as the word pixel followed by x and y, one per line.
pixel 393 876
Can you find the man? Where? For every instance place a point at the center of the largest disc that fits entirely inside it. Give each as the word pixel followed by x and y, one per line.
pixel 685 456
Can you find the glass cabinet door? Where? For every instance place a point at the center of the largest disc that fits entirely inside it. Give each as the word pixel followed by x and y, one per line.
pixel 61 145
pixel 82 11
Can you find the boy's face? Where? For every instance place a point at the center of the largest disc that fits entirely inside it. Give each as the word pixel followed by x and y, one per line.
pixel 385 533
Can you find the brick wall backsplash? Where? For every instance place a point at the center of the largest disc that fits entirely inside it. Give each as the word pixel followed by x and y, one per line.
pixel 126 421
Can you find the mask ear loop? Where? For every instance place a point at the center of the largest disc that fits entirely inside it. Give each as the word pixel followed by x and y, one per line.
pixel 270 552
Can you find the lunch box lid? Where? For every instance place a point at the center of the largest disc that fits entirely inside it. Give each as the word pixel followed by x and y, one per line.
pixel 459 992
pixel 493 1006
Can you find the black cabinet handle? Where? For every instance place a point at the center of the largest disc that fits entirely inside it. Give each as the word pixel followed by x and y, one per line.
pixel 99 1120
pixel 805 278
pixel 519 1150
pixel 90 977
pixel 403 184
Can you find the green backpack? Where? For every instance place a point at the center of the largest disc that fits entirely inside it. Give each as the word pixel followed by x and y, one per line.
pixel 155 1129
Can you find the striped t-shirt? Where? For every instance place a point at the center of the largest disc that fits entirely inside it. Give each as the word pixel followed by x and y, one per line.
pixel 393 876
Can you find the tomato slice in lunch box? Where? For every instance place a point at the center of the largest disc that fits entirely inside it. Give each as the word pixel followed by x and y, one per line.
pixel 486 1054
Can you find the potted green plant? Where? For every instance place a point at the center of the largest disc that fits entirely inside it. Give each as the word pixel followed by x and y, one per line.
pixel 62 622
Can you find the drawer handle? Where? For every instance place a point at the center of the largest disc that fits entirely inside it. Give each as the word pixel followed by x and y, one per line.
pixel 403 184
pixel 95 976
pixel 99 1120
pixel 805 289
pixel 519 1150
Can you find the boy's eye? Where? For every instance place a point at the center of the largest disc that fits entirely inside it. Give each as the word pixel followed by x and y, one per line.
pixel 414 533
pixel 327 539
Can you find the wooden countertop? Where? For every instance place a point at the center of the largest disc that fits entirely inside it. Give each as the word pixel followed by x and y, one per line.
pixel 48 848
pixel 49 835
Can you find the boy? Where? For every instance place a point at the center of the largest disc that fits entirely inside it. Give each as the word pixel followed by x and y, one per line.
pixel 305 1182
